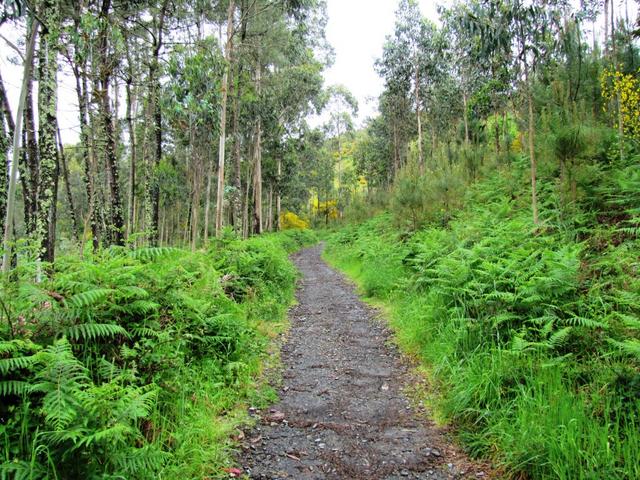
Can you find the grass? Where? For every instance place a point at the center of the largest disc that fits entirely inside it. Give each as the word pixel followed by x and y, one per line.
pixel 520 331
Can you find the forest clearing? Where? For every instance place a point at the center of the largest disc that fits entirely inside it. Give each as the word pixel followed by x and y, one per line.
pixel 313 239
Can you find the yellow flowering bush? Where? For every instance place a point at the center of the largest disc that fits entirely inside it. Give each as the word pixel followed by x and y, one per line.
pixel 614 83
pixel 290 221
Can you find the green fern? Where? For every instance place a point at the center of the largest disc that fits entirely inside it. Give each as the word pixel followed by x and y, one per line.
pixel 88 298
pixel 92 331
pixel 16 363
pixel 152 253
pixel 61 379
pixel 14 387
pixel 628 347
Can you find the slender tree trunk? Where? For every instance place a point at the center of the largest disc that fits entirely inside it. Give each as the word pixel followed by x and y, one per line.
pixel 532 153
pixel 279 194
pixel 153 193
pixel 30 172
pixel 237 172
pixel 207 200
pixel 116 221
pixel 6 135
pixel 131 108
pixel 245 209
pixel 4 167
pixel 618 95
pixel 88 152
pixel 605 45
pixel 48 149
pixel 17 135
pixel 466 119
pixel 396 151
pixel 223 118
pixel 270 210
pixel 257 159
pixel 418 116
pixel 65 173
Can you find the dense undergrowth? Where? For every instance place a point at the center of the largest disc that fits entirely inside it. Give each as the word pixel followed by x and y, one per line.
pixel 133 363
pixel 531 335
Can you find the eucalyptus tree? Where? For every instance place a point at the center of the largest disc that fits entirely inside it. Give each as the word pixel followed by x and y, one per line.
pixel 223 116
pixel 400 64
pixel 191 105
pixel 17 137
pixel 516 34
pixel 412 61
pixel 45 225
pixel 293 90
pixel 341 106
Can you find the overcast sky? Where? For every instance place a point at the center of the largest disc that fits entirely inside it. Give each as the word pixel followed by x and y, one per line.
pixel 356 30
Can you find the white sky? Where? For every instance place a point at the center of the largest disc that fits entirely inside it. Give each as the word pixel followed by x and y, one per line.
pixel 357 30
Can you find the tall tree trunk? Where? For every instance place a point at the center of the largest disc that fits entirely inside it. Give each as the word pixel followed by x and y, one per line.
pixel 116 220
pixel 270 210
pixel 131 110
pixel 17 135
pixel 614 58
pixel 207 200
pixel 396 151
pixel 605 45
pixel 48 149
pixel 279 194
pixel 237 158
pixel 88 152
pixel 6 134
pixel 257 160
pixel 532 153
pixel 245 206
pixel 223 118
pixel 419 115
pixel 65 174
pixel 30 171
pixel 466 119
pixel 153 193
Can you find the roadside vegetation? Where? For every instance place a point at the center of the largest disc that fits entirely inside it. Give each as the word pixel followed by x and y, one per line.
pixel 139 363
pixel 500 227
pixel 530 335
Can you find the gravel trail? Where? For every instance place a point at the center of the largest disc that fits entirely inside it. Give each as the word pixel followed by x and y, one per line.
pixel 343 413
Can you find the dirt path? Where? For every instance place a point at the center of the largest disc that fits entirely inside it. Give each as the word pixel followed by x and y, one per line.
pixel 342 413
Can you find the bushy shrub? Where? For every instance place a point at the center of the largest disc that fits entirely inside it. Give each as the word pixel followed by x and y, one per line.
pixel 109 366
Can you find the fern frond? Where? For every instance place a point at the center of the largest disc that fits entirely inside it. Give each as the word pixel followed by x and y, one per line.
pixel 628 347
pixel 139 406
pixel 558 338
pixel 15 363
pixel 88 298
pixel 142 306
pixel 577 321
pixel 152 253
pixel 145 332
pixel 91 331
pixel 17 345
pixel 146 459
pixel 114 433
pixel 61 379
pixel 14 387
pixel 133 291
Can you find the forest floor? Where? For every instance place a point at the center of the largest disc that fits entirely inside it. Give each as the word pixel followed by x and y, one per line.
pixel 345 411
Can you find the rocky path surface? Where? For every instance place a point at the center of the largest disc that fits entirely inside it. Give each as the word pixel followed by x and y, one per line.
pixel 342 412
